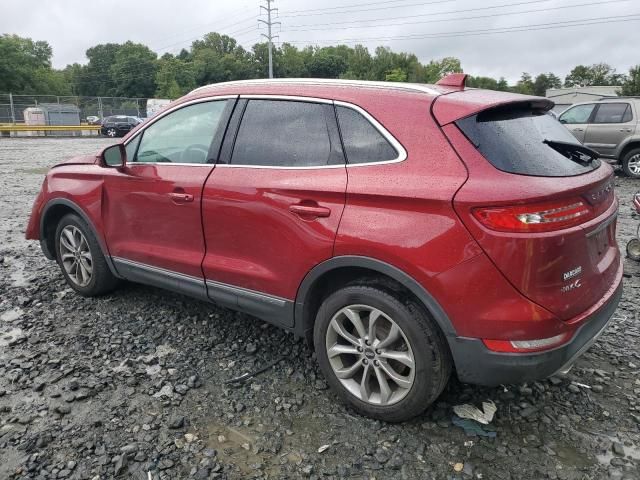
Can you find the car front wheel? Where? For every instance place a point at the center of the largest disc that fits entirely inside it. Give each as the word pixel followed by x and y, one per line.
pixel 383 356
pixel 112 132
pixel 80 258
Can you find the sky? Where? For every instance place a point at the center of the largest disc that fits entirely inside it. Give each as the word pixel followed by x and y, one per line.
pixel 497 38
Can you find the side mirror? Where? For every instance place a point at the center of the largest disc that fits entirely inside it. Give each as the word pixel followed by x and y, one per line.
pixel 562 120
pixel 114 156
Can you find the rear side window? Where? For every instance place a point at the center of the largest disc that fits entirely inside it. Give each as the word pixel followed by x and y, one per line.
pixel 577 114
pixel 526 142
pixel 613 113
pixel 363 143
pixel 283 133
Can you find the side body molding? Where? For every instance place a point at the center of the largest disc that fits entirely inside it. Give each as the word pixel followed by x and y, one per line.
pixel 303 325
pixel 77 209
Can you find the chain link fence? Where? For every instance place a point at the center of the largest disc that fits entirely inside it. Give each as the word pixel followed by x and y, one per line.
pixel 12 107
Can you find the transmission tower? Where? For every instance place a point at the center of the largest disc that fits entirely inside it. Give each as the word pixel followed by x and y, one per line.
pixel 269 35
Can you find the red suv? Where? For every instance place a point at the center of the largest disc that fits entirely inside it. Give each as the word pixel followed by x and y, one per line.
pixel 406 230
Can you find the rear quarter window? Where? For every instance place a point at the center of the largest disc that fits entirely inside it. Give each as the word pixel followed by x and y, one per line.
pixel 515 140
pixel 363 143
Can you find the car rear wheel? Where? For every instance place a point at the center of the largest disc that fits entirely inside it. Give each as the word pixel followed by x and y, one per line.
pixel 383 356
pixel 112 132
pixel 631 163
pixel 80 258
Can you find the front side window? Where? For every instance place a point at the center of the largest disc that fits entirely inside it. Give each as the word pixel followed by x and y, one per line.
pixel 613 113
pixel 283 133
pixel 183 136
pixel 363 143
pixel 577 114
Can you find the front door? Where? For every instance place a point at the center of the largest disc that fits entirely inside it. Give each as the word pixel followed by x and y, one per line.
pixel 151 207
pixel 576 119
pixel 610 126
pixel 271 212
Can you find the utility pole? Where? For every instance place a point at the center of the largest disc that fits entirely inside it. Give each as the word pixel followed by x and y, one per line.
pixel 269 36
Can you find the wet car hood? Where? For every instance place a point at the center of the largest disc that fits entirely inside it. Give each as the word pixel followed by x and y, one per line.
pixel 79 160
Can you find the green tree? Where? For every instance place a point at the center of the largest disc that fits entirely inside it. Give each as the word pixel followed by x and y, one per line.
pixel 174 77
pixel 25 67
pixel 134 70
pixel 631 85
pixel 545 81
pixel 325 64
pixel 396 75
pixel 524 85
pixel 596 74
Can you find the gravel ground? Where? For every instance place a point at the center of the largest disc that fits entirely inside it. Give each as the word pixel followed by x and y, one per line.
pixel 139 381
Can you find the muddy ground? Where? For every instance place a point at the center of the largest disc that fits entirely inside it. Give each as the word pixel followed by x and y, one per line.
pixel 136 384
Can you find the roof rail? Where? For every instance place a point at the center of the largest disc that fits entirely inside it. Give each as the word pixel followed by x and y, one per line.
pixel 620 96
pixel 326 81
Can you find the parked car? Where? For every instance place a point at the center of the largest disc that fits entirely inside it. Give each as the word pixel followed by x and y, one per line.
pixel 406 231
pixel 93 120
pixel 118 125
pixel 610 127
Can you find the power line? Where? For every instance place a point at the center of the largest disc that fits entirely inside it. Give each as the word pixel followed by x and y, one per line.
pixel 518 28
pixel 341 7
pixel 322 26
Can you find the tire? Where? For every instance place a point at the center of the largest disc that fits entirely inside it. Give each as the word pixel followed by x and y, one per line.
pixel 111 133
pixel 419 339
pixel 76 245
pixel 633 249
pixel 631 163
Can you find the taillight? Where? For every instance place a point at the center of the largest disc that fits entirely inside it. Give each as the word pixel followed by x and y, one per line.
pixel 527 346
pixel 535 217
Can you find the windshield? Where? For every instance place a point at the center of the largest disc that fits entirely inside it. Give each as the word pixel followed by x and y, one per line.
pixel 525 142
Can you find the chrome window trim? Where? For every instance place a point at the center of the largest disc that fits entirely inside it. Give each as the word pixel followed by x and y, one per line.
pixel 164 113
pixel 402 153
pixel 279 301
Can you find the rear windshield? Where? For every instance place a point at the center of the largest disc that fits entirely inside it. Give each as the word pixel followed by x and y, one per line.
pixel 526 142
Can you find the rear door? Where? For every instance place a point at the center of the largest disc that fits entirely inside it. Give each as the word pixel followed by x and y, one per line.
pixel 611 124
pixel 577 118
pixel 272 206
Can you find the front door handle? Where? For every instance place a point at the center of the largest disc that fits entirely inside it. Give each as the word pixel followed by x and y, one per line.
pixel 578 129
pixel 180 197
pixel 310 211
pixel 625 130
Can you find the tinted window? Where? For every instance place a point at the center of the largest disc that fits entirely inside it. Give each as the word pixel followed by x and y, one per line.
pixel 131 148
pixel 362 141
pixel 183 136
pixel 577 114
pixel 283 134
pixel 613 113
pixel 526 142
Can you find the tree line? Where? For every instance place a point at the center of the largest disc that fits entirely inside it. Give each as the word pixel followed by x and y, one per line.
pixel 134 70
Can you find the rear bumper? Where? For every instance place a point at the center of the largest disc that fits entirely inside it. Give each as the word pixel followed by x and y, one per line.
pixel 476 364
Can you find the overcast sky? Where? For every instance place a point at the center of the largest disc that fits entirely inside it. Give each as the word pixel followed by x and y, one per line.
pixel 72 26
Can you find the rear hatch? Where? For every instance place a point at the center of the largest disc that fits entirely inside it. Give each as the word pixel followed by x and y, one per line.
pixel 540 205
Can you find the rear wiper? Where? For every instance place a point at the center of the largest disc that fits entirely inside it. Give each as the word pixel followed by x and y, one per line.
pixel 574 151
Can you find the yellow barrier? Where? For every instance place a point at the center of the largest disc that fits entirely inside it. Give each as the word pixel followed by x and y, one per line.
pixel 46 128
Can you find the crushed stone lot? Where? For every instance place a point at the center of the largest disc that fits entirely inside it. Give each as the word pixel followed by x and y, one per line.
pixel 137 384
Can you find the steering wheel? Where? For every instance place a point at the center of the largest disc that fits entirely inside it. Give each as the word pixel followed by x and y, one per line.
pixel 187 152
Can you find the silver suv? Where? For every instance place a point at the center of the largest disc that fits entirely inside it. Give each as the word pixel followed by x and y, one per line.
pixel 610 127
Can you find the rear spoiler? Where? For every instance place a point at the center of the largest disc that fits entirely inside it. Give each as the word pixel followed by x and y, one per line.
pixel 470 101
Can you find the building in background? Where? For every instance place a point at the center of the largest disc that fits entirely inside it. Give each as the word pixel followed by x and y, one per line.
pixel 565 97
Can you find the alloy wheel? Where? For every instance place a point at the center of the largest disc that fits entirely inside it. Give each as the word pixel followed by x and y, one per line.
pixel 75 255
pixel 370 355
pixel 634 164
pixel 111 133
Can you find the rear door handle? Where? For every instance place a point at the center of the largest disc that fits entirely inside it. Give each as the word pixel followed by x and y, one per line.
pixel 578 129
pixel 179 197
pixel 310 210
pixel 625 130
